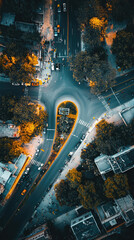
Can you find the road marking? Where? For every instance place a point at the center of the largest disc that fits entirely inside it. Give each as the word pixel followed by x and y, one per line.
pixel 119 90
pixel 50 139
pixel 78 44
pixel 50 129
pixel 36 163
pixel 64 41
pixel 81 122
pixel 65 51
pixel 101 98
pixel 123 82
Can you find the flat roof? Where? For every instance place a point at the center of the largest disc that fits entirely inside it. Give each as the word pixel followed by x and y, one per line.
pixel 103 164
pixel 85 227
pixel 123 161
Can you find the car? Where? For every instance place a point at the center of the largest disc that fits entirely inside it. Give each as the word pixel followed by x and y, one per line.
pixel 55 32
pixel 52 66
pixel 58 28
pixel 42 164
pixel 64 7
pixel 39 168
pixel 27 170
pixel 58 8
pixel 23 192
pixel 57 66
pixel 16 84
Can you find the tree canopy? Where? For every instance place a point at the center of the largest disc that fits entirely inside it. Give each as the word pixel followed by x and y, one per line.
pixel 116 186
pixel 74 177
pixel 123 48
pixel 88 67
pixel 17 63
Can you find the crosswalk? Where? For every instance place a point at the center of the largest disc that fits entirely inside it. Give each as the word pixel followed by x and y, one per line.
pixel 101 98
pixel 82 122
pixel 36 163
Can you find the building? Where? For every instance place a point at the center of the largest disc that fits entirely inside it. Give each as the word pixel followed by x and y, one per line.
pixel 118 163
pixel 64 111
pixel 9 172
pixel 110 216
pixel 85 227
pixel 40 233
pixel 8 129
pixel 8 19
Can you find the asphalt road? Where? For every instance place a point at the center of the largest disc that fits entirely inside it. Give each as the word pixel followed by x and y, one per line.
pixel 61 87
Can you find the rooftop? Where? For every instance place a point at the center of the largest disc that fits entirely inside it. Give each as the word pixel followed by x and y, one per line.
pixel 85 227
pixel 119 162
pixel 7 19
pixel 123 160
pixel 110 216
pixel 103 164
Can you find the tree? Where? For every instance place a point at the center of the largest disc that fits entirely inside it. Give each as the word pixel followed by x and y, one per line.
pixel 26 133
pixel 116 186
pixel 123 48
pixel 74 177
pixel 92 69
pixel 107 138
pixel 17 63
pixel 88 195
pixel 88 155
pixel 65 194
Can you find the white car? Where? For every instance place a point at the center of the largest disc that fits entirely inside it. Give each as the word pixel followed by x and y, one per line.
pixel 64 7
pixel 52 66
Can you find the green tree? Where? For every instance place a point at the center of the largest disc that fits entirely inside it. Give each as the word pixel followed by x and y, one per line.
pixel 116 186
pixel 74 177
pixel 92 69
pixel 123 48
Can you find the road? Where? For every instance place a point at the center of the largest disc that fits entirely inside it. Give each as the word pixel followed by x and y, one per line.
pixel 61 87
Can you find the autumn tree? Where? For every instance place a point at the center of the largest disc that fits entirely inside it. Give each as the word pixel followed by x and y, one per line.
pixel 74 177
pixel 123 48
pixel 17 63
pixel 88 195
pixel 116 186
pixel 65 194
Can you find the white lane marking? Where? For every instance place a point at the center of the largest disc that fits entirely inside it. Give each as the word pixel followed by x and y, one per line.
pixel 72 31
pixel 64 41
pixel 83 123
pixel 50 139
pixel 65 52
pixel 78 44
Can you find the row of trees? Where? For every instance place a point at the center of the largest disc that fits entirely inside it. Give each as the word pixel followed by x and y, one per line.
pixel 17 63
pixel 76 189
pixel 29 116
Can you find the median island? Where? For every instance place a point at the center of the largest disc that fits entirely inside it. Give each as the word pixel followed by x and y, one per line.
pixel 66 117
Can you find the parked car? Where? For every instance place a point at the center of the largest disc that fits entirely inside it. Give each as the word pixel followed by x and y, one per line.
pixel 57 66
pixel 52 66
pixel 64 7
